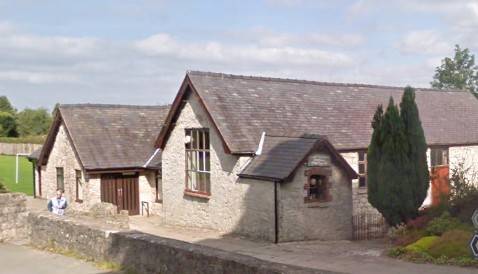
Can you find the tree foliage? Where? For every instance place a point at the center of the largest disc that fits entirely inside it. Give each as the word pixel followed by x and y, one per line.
pixel 28 122
pixel 457 73
pixel 417 146
pixel 8 125
pixel 397 166
pixel 32 122
pixel 6 106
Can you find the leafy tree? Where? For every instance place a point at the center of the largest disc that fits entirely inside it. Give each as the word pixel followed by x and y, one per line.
pixel 8 125
pixel 5 105
pixel 457 73
pixel 397 167
pixel 33 121
pixel 419 176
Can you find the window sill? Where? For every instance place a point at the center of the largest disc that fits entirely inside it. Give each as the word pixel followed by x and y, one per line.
pixel 318 204
pixel 197 194
pixel 362 190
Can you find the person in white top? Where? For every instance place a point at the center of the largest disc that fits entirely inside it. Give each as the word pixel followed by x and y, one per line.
pixel 58 204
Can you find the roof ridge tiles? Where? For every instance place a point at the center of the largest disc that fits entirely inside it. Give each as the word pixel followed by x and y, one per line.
pixel 113 106
pixel 299 81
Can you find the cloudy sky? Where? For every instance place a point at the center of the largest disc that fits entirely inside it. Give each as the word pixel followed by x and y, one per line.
pixel 137 52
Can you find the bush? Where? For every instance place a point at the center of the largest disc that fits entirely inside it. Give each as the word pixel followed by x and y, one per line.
pixel 464 193
pixel 3 189
pixel 452 244
pixel 442 224
pixel 419 222
pixel 423 244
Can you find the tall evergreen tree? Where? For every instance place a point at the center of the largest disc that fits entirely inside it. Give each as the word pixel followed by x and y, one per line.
pixel 419 175
pixel 373 157
pixel 397 168
pixel 393 191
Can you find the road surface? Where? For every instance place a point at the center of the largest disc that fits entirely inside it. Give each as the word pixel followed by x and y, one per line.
pixel 15 259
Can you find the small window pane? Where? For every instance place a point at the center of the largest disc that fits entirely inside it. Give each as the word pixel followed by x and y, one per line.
pixel 362 181
pixel 208 162
pixel 361 168
pixel 200 140
pixel 206 139
pixel 361 156
pixel 188 136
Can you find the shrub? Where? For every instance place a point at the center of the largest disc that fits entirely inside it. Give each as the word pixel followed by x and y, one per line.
pixel 464 192
pixel 409 237
pixel 3 189
pixel 423 244
pixel 419 222
pixel 442 224
pixel 452 244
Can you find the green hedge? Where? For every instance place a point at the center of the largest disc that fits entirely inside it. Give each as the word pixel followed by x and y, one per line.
pixel 23 140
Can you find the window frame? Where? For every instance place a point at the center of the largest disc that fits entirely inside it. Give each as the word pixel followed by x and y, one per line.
pixel 444 153
pixel 324 197
pixel 78 177
pixel 156 182
pixel 362 176
pixel 62 176
pixel 198 162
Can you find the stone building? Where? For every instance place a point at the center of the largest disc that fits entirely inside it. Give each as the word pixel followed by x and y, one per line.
pixel 240 154
pixel 103 153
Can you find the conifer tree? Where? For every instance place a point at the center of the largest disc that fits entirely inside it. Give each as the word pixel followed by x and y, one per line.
pixel 419 175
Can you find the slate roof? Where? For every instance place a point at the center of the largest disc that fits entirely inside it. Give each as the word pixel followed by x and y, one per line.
pixel 281 156
pixel 110 136
pixel 35 154
pixel 242 107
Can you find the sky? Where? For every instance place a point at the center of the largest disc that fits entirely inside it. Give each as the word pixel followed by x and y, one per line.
pixel 137 52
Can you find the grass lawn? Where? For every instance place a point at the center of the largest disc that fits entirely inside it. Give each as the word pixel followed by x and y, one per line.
pixel 7 174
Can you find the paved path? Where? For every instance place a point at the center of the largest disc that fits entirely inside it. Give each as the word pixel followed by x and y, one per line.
pixel 15 259
pixel 341 256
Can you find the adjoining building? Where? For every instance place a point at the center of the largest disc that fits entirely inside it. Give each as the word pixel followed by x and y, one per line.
pixel 283 159
pixel 103 153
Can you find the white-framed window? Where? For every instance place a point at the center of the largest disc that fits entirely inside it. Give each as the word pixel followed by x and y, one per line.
pixel 362 168
pixel 439 156
pixel 198 161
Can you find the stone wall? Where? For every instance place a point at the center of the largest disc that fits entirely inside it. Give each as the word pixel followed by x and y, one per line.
pixel 145 253
pixel 13 149
pixel 13 216
pixel 61 155
pixel 234 206
pixel 330 220
pixel 359 194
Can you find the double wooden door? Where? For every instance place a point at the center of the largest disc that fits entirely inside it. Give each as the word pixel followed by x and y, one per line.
pixel 122 191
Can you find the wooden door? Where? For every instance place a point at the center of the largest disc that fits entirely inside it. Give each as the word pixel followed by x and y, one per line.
pixel 440 185
pixel 122 191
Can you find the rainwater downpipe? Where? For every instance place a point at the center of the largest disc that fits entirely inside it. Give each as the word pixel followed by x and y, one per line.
pixel 276 214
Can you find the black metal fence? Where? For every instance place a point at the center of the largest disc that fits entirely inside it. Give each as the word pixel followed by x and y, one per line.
pixel 368 226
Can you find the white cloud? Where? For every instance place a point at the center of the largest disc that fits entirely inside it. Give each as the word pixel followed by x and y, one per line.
pixel 165 45
pixel 424 42
pixel 36 77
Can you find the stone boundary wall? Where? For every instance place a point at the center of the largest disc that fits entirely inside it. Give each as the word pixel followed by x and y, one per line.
pixel 144 253
pixel 13 217
pixel 13 149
